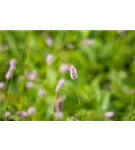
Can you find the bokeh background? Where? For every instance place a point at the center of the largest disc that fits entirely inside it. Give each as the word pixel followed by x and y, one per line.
pixel 105 62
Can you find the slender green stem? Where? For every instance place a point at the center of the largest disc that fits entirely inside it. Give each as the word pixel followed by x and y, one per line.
pixel 27 51
pixel 54 100
pixel 132 101
pixel 8 84
pixel 131 107
pixel 56 95
pixel 132 97
pixel 79 102
pixel 4 93
pixel 53 105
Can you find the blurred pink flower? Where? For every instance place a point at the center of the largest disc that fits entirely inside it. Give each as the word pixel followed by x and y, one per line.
pixel 41 93
pixel 59 115
pixel 122 32
pixel 58 105
pixel 29 85
pixel 49 41
pixel 12 68
pixel 2 85
pixel 109 115
pixel 88 42
pixel 70 46
pixel 7 115
pixel 49 59
pixel 12 64
pixel 64 68
pixel 31 111
pixel 32 75
pixel 62 98
pixel 8 75
pixel 22 114
pixel 60 85
pixel 73 72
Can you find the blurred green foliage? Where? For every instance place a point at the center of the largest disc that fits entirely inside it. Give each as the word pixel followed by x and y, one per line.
pixel 105 61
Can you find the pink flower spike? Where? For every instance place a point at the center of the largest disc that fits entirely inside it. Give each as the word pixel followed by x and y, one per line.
pixel 59 115
pixel 60 85
pixel 59 102
pixel 49 59
pixel 70 46
pixel 29 85
pixel 41 93
pixel 8 75
pixel 64 68
pixel 49 41
pixel 109 115
pixel 32 76
pixel 2 85
pixel 12 64
pixel 22 114
pixel 7 115
pixel 88 42
pixel 58 106
pixel 73 72
pixel 31 111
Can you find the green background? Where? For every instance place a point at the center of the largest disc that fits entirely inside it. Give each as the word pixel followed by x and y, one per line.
pixel 106 73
